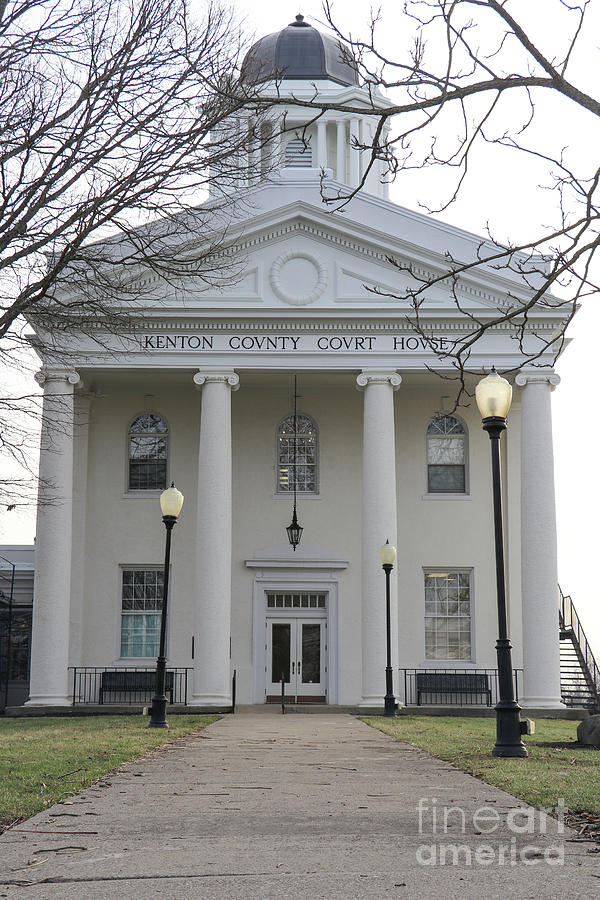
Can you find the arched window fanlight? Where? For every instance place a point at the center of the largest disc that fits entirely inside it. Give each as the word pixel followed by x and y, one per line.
pixel 446 456
pixel 148 449
pixel 297 455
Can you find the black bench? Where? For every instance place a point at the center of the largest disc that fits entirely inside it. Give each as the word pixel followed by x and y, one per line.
pixel 132 683
pixel 453 683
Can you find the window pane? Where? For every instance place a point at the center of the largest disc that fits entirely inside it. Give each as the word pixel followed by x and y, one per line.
pixel 445 450
pixel 311 654
pixel 147 447
pixel 148 453
pixel 445 425
pixel 297 455
pixel 147 475
pixel 447 616
pixel 141 605
pixel 280 651
pixel 446 455
pixel 446 479
pixel 149 422
pixel 140 635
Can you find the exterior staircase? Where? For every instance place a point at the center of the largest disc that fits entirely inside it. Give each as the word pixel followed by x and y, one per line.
pixel 579 672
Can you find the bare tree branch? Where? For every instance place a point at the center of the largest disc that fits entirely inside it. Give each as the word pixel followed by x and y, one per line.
pixel 117 160
pixel 480 75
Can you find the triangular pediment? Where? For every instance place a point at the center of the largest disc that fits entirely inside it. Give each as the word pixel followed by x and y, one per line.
pixel 301 256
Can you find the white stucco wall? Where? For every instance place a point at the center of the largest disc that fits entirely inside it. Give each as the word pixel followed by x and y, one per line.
pixel 115 529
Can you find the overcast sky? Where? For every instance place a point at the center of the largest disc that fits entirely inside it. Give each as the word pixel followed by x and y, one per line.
pixel 504 191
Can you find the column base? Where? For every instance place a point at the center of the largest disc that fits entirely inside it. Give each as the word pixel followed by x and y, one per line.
pixel 376 702
pixel 48 701
pixel 541 703
pixel 216 700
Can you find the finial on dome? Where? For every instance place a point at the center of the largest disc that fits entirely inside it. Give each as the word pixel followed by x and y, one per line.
pixel 299 23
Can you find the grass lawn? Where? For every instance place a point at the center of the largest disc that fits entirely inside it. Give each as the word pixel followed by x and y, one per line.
pixel 557 767
pixel 44 760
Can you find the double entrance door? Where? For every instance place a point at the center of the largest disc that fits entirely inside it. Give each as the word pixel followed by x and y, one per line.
pixel 296 654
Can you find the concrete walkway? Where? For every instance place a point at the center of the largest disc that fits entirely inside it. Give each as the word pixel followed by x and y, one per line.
pixel 261 805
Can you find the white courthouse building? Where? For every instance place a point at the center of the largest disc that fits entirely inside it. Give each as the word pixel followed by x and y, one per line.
pixel 203 395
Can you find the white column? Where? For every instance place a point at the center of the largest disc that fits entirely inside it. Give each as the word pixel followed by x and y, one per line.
pixel 49 683
pixel 354 155
pixel 379 523
pixel 322 145
pixel 253 152
pixel 277 144
pixel 81 426
pixel 383 172
pixel 539 577
pixel 212 680
pixel 340 164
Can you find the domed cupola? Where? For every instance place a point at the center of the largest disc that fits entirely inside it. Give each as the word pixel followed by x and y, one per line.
pixel 298 52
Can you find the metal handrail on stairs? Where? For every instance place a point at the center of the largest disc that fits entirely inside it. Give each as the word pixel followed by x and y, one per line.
pixel 571 627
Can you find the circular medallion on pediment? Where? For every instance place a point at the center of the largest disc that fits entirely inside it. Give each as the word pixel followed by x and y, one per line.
pixel 298 278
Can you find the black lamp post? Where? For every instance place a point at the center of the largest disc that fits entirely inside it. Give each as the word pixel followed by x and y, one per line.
pixel 494 395
pixel 387 555
pixel 294 529
pixel 171 502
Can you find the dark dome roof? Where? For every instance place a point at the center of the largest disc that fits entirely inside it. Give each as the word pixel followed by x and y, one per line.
pixel 299 52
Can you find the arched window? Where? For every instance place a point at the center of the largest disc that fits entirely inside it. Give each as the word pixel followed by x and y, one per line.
pixel 148 436
pixel 446 456
pixel 297 455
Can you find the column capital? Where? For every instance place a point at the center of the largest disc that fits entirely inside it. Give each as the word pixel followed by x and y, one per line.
pixel 50 373
pixel 232 379
pixel 378 376
pixel 539 376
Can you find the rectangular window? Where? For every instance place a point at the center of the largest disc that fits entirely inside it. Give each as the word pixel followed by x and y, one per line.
pixel 141 606
pixel 447 615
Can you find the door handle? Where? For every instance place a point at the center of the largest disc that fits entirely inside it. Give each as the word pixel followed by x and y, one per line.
pixel 299 664
pixel 292 668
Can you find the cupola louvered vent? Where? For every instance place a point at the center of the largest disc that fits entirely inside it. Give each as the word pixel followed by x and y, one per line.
pixel 298 154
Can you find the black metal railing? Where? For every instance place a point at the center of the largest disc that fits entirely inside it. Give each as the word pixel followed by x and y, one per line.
pixel 90 687
pixel 570 624
pixel 463 687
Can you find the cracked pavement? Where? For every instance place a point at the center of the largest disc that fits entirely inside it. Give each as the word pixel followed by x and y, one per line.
pixel 261 805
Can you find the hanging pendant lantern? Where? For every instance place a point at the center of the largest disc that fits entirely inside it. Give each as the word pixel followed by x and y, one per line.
pixel 294 529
